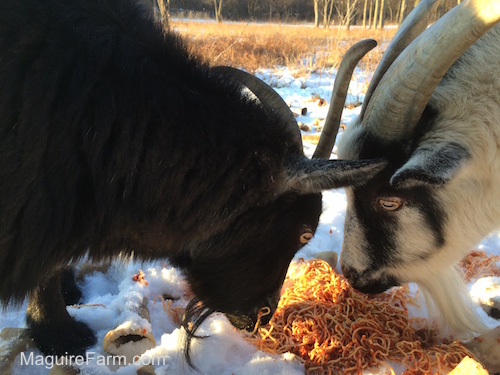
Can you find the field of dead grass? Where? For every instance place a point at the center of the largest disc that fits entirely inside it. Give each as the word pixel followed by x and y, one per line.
pixel 299 47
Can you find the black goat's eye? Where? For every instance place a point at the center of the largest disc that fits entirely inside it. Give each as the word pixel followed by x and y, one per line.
pixel 390 203
pixel 306 235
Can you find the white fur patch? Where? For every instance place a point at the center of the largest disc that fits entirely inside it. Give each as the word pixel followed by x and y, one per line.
pixel 414 239
pixel 353 254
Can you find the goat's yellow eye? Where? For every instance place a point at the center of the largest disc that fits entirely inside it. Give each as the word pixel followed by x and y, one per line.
pixel 306 236
pixel 390 203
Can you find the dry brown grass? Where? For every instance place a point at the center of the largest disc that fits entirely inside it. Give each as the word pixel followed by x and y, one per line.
pixel 301 48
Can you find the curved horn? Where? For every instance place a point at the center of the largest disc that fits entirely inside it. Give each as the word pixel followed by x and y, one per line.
pixel 304 175
pixel 400 99
pixel 413 25
pixel 269 99
pixel 339 94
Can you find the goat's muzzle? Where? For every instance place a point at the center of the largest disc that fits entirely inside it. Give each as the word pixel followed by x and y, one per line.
pixel 259 317
pixel 363 283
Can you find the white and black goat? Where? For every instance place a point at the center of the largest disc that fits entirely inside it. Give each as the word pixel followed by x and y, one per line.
pixel 433 111
pixel 113 138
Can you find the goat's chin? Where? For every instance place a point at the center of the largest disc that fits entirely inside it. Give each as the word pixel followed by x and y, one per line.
pixel 450 305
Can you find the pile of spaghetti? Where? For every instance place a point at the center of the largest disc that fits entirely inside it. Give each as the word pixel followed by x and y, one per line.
pixel 337 330
pixel 478 264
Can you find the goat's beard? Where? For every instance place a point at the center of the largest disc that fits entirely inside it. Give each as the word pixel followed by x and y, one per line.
pixel 449 303
pixel 194 315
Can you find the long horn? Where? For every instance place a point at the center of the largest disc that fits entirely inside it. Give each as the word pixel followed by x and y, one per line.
pixel 269 99
pixel 304 175
pixel 339 94
pixel 400 99
pixel 413 25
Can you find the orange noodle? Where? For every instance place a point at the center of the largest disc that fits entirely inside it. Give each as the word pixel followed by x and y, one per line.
pixel 262 312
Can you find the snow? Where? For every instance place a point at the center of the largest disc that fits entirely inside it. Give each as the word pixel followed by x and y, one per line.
pixel 113 299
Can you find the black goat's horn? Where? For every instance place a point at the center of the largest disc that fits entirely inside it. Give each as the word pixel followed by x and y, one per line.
pixel 339 94
pixel 269 99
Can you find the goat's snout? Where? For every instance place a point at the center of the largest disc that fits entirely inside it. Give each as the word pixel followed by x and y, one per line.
pixel 347 272
pixel 250 322
pixel 366 283
pixel 260 316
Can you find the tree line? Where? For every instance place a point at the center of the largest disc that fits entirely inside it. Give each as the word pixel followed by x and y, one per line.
pixel 324 13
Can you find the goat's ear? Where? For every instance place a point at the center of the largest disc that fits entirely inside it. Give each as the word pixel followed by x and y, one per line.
pixel 315 175
pixel 431 164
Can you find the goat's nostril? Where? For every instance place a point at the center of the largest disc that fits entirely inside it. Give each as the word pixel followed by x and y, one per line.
pixel 347 272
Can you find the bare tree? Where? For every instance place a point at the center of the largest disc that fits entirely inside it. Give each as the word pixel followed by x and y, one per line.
pixel 350 12
pixel 370 13
pixel 330 11
pixel 164 6
pixel 325 13
pixel 346 12
pixel 381 17
pixel 270 4
pixel 218 9
pixel 375 15
pixel 288 10
pixel 321 11
pixel 316 13
pixel 392 10
pixel 328 6
pixel 402 9
pixel 364 13
pixel 251 5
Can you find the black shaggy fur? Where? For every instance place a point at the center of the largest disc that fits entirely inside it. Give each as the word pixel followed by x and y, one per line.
pixel 113 138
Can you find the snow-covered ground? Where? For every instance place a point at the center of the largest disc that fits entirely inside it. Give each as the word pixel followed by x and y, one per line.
pixel 113 297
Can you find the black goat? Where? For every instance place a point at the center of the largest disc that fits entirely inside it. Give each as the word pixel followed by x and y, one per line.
pixel 113 138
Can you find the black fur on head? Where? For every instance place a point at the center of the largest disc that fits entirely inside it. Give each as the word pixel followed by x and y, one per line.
pixel 243 282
